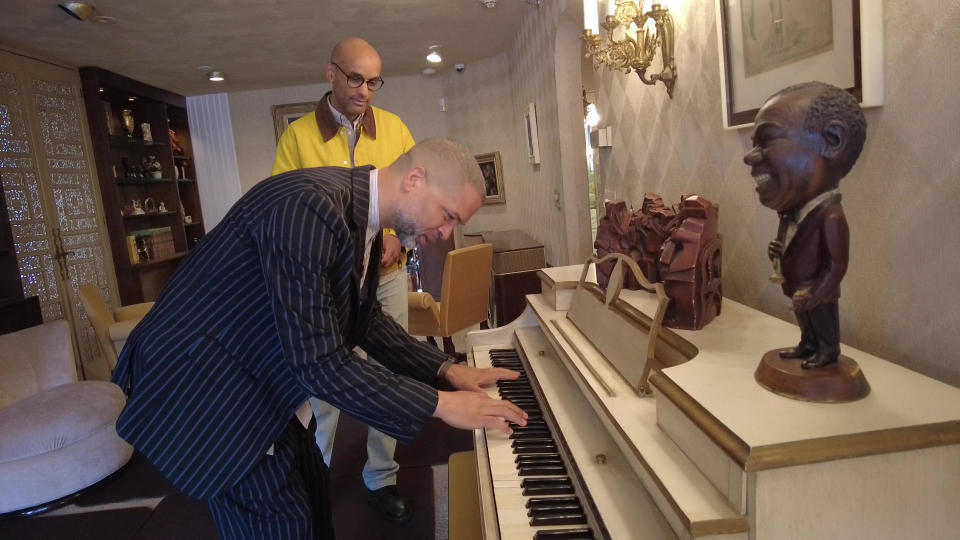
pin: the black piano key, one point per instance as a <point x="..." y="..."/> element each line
<point x="536" y="457"/>
<point x="559" y="519"/>
<point x="546" y="486"/>
<point x="548" y="508"/>
<point x="540" y="502"/>
<point x="535" y="445"/>
<point x="530" y="461"/>
<point x="559" y="489"/>
<point x="526" y="435"/>
<point x="542" y="470"/>
<point x="534" y="424"/>
<point x="564" y="534"/>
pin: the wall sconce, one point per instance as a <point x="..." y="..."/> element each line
<point x="630" y="53"/>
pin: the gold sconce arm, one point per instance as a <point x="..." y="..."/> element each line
<point x="637" y="54"/>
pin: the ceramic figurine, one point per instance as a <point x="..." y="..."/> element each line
<point x="145" y="129"/>
<point x="806" y="138"/>
<point x="137" y="207"/>
<point x="152" y="166"/>
<point x="162" y="208"/>
<point x="128" y="123"/>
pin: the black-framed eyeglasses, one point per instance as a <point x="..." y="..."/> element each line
<point x="354" y="80"/>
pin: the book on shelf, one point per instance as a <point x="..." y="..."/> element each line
<point x="150" y="245"/>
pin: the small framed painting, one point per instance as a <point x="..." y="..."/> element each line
<point x="284" y="115"/>
<point x="492" y="178"/>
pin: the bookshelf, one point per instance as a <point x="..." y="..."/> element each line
<point x="144" y="157"/>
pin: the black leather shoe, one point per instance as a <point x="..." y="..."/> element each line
<point x="797" y="352"/>
<point x="819" y="361"/>
<point x="391" y="505"/>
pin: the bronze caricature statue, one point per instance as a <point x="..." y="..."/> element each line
<point x="806" y="138"/>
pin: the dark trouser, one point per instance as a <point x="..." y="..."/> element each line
<point x="820" y="329"/>
<point x="284" y="496"/>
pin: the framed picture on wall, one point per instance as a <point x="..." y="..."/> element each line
<point x="284" y="115"/>
<point x="533" y="142"/>
<point x="767" y="45"/>
<point x="492" y="178"/>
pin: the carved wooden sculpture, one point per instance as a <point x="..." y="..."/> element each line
<point x="680" y="248"/>
<point x="690" y="266"/>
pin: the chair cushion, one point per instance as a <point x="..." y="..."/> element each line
<point x="59" y="441"/>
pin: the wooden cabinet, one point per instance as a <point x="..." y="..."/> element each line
<point x="148" y="184"/>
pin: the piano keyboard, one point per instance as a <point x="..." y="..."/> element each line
<point x="552" y="506"/>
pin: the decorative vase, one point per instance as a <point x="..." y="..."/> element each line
<point x="128" y="122"/>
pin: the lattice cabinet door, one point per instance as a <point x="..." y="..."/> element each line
<point x="52" y="196"/>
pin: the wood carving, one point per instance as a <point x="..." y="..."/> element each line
<point x="679" y="247"/>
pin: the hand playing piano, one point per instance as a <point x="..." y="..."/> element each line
<point x="474" y="379"/>
<point x="473" y="410"/>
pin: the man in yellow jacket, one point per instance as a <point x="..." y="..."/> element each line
<point x="346" y="131"/>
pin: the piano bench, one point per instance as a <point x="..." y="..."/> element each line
<point x="463" y="517"/>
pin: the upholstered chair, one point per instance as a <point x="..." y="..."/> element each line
<point x="112" y="326"/>
<point x="464" y="296"/>
<point x="57" y="435"/>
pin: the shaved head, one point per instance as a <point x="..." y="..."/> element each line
<point x="350" y="48"/>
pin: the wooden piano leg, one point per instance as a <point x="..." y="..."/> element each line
<point x="463" y="517"/>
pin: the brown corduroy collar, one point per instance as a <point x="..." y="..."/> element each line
<point x="328" y="124"/>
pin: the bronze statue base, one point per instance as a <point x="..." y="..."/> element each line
<point x="835" y="383"/>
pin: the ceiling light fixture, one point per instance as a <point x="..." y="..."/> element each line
<point x="216" y="76"/>
<point x="78" y="10"/>
<point x="434" y="54"/>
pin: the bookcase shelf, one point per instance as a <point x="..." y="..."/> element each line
<point x="122" y="163"/>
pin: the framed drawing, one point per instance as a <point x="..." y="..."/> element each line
<point x="492" y="178"/>
<point x="767" y="45"/>
<point x="533" y="142"/>
<point x="284" y="115"/>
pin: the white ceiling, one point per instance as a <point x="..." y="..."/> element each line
<point x="257" y="43"/>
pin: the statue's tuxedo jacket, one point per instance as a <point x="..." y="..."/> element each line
<point x="817" y="255"/>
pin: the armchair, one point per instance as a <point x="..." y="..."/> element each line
<point x="57" y="435"/>
<point x="464" y="296"/>
<point x="111" y="326"/>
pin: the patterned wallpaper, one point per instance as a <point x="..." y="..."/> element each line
<point x="486" y="108"/>
<point x="901" y="296"/>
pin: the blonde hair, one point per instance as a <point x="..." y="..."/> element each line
<point x="448" y="163"/>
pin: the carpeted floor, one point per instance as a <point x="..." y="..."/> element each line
<point x="138" y="504"/>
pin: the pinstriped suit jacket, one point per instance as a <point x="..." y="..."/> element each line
<point x="263" y="313"/>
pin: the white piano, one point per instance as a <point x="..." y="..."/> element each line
<point x="709" y="453"/>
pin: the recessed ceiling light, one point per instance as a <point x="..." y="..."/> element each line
<point x="104" y="19"/>
<point x="215" y="76"/>
<point x="428" y="71"/>
<point x="434" y="54"/>
<point x="78" y="10"/>
<point x="131" y="98"/>
<point x="101" y="89"/>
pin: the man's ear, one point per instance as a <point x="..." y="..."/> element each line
<point x="834" y="139"/>
<point x="414" y="178"/>
<point x="328" y="71"/>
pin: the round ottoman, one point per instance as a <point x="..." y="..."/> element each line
<point x="59" y="441"/>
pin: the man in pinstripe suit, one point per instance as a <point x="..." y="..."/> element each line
<point x="266" y="311"/>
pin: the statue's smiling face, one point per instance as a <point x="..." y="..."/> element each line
<point x="786" y="160"/>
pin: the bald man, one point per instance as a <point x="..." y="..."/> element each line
<point x="346" y="131"/>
